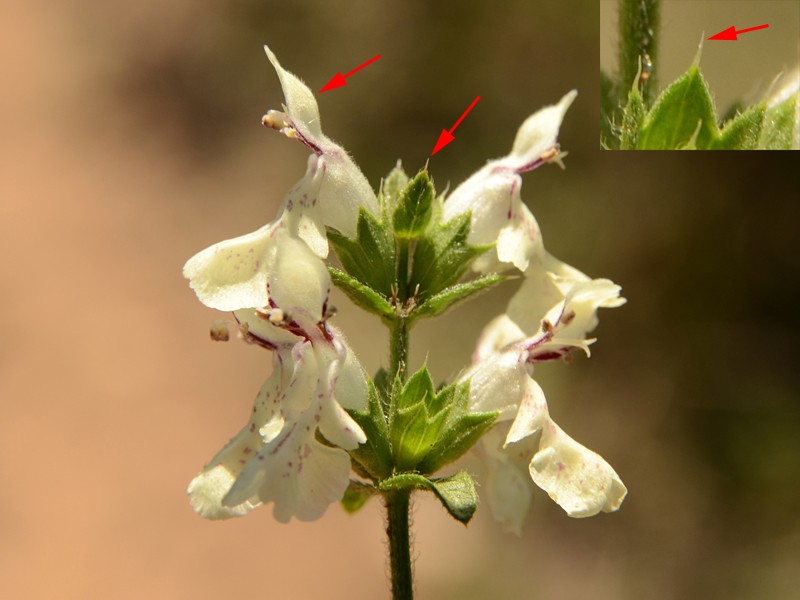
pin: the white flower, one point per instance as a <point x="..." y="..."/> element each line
<point x="507" y="488"/>
<point x="247" y="271"/>
<point x="344" y="188"/>
<point x="493" y="193"/>
<point x="576" y="478"/>
<point x="276" y="283"/>
<point x="233" y="274"/>
<point x="553" y="294"/>
<point x="550" y="315"/>
<point x="277" y="456"/>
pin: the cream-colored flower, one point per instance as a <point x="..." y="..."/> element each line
<point x="493" y="193"/>
<point x="555" y="305"/>
<point x="550" y="315"/>
<point x="576" y="478"/>
<point x="234" y="273"/>
<point x="277" y="457"/>
<point x="344" y="189"/>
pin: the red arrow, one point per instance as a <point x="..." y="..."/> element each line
<point x="730" y="33"/>
<point x="447" y="136"/>
<point x="338" y="80"/>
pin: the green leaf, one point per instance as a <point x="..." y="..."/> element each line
<point x="370" y="257"/>
<point x="417" y="390"/>
<point x="391" y="188"/>
<point x="413" y="212"/>
<point x="361" y="294"/>
<point x="383" y="383"/>
<point x="442" y="256"/>
<point x="373" y="459"/>
<point x="741" y="132"/>
<point x="460" y="431"/>
<point x="780" y="125"/>
<point x="447" y="298"/>
<point x="673" y="120"/>
<point x="355" y="496"/>
<point x="458" y="495"/>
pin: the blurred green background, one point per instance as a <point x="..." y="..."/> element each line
<point x="131" y="139"/>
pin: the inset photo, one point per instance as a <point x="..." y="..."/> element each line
<point x="699" y="75"/>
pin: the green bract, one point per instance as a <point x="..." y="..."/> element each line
<point x="426" y="430"/>
<point x="683" y="118"/>
<point x="408" y="263"/>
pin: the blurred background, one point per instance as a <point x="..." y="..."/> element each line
<point x="131" y="140"/>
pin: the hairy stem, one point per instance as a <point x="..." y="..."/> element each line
<point x="398" y="347"/>
<point x="397" y="531"/>
<point x="638" y="40"/>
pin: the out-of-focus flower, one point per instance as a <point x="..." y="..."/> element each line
<point x="493" y="193"/>
<point x="278" y="457"/>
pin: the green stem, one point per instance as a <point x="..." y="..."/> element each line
<point x="397" y="532"/>
<point x="638" y="39"/>
<point x="398" y="347"/>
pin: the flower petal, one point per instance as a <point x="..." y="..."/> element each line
<point x="508" y="486"/>
<point x="539" y="132"/>
<point x="497" y="384"/>
<point x="553" y="287"/>
<point x="207" y="490"/>
<point x="277" y="457"/>
<point x="300" y="212"/>
<point x="296" y="472"/>
<point x="576" y="478"/>
<point x="493" y="194"/>
<point x="497" y="216"/>
<point x="497" y="334"/>
<point x="297" y="278"/>
<point x="301" y="105"/>
<point x="345" y="189"/>
<point x="532" y="414"/>
<point x="350" y="381"/>
<point x="232" y="274"/>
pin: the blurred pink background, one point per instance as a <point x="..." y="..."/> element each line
<point x="131" y="140"/>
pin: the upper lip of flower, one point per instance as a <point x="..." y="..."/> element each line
<point x="493" y="193"/>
